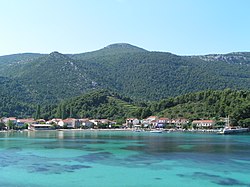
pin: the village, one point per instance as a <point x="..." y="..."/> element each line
<point x="152" y="122"/>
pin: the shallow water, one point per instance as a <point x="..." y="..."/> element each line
<point x="108" y="158"/>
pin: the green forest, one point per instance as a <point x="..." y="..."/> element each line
<point x="210" y="104"/>
<point x="124" y="69"/>
<point x="122" y="81"/>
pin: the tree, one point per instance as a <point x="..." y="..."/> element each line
<point x="63" y="112"/>
<point x="245" y="122"/>
<point x="38" y="112"/>
<point x="145" y="113"/>
<point x="2" y="126"/>
<point x="11" y="125"/>
<point x="71" y="113"/>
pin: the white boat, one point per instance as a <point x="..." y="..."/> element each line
<point x="156" y="131"/>
<point x="232" y="130"/>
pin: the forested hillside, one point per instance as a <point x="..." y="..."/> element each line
<point x="57" y="84"/>
<point x="96" y="104"/>
<point x="207" y="105"/>
<point x="14" y="99"/>
<point x="51" y="78"/>
<point x="125" y="69"/>
<point x="8" y="60"/>
<point x="155" y="75"/>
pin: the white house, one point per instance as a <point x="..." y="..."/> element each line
<point x="69" y="123"/>
<point x="132" y="122"/>
<point x="12" y="119"/>
<point x="203" y="123"/>
<point x="86" y="123"/>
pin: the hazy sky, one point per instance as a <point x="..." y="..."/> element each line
<point x="74" y="26"/>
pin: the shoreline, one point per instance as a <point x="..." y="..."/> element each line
<point x="200" y="131"/>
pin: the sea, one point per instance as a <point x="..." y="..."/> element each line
<point x="123" y="159"/>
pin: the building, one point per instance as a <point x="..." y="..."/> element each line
<point x="22" y="122"/>
<point x="131" y="122"/>
<point x="86" y="123"/>
<point x="71" y="123"/>
<point x="203" y="123"/>
<point x="54" y="120"/>
<point x="10" y="119"/>
<point x="162" y="122"/>
<point x="40" y="127"/>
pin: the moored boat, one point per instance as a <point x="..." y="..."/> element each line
<point x="156" y="131"/>
<point x="233" y="130"/>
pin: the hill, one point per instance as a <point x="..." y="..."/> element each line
<point x="51" y="78"/>
<point x="8" y="60"/>
<point x="14" y="99"/>
<point x="155" y="75"/>
<point x="200" y="105"/>
<point x="125" y="69"/>
<point x="105" y="104"/>
<point x="206" y="105"/>
<point x="95" y="104"/>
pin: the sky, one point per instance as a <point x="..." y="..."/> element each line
<point x="183" y="27"/>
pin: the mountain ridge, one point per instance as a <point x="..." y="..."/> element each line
<point x="129" y="46"/>
<point x="126" y="69"/>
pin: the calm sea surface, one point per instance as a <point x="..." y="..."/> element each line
<point x="107" y="158"/>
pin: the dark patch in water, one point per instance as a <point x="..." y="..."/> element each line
<point x="55" y="168"/>
<point x="39" y="169"/>
<point x="93" y="149"/>
<point x="78" y="145"/>
<point x="140" y="159"/>
<point x="215" y="179"/>
<point x="75" y="167"/>
<point x="230" y="182"/>
<point x="158" y="178"/>
<point x="92" y="157"/>
<point x="14" y="149"/>
<point x="181" y="175"/>
<point x="134" y="148"/>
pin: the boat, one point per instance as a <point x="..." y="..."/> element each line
<point x="232" y="130"/>
<point x="156" y="131"/>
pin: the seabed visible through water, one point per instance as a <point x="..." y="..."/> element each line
<point x="129" y="159"/>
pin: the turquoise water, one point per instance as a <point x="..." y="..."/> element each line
<point x="131" y="159"/>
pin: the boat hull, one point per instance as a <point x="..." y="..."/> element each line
<point x="234" y="131"/>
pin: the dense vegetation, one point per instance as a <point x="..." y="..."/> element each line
<point x="55" y="85"/>
<point x="105" y="104"/>
<point x="8" y="60"/>
<point x="95" y="104"/>
<point x="98" y="104"/>
<point x="12" y="103"/>
<point x="201" y="105"/>
<point x="207" y="105"/>
<point x="125" y="69"/>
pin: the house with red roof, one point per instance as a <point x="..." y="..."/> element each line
<point x="12" y="119"/>
<point x="22" y="122"/>
<point x="69" y="123"/>
<point x="131" y="122"/>
<point x="86" y="123"/>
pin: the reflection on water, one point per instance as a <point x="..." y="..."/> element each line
<point x="187" y="159"/>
